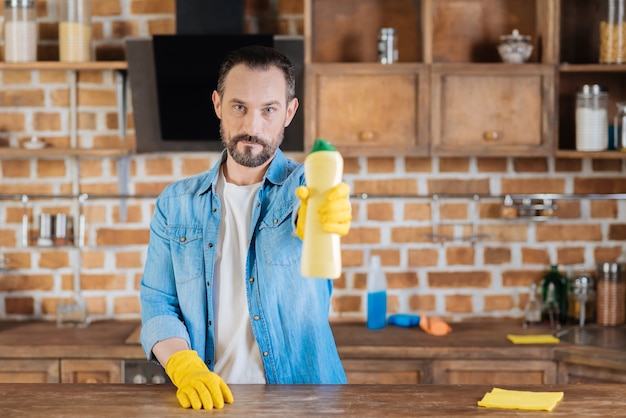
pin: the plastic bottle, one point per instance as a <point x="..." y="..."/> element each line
<point x="376" y="295"/>
<point x="321" y="250"/>
<point x="554" y="291"/>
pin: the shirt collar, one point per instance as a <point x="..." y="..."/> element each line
<point x="276" y="173"/>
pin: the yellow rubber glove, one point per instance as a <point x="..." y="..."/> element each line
<point x="198" y="387"/>
<point x="335" y="213"/>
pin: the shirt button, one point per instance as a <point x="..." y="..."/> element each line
<point x="265" y="354"/>
<point x="275" y="221"/>
<point x="210" y="245"/>
<point x="214" y="210"/>
<point x="255" y="317"/>
<point x="183" y="239"/>
<point x="210" y="323"/>
<point x="208" y="362"/>
<point x="251" y="279"/>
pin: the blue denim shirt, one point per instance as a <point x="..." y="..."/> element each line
<point x="288" y="313"/>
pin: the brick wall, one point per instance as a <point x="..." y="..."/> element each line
<point x="458" y="278"/>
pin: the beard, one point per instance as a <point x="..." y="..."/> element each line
<point x="246" y="157"/>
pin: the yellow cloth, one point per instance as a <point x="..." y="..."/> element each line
<point x="533" y="339"/>
<point x="517" y="399"/>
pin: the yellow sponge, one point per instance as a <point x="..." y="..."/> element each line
<point x="533" y="339"/>
<point x="517" y="399"/>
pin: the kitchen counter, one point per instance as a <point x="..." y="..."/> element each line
<point x="470" y="341"/>
<point x="42" y="339"/>
<point x="80" y="400"/>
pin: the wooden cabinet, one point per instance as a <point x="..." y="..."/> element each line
<point x="571" y="373"/>
<point x="91" y="371"/>
<point x="449" y="90"/>
<point x="475" y="104"/>
<point x="496" y="372"/>
<point x="579" y="56"/>
<point x="393" y="372"/>
<point x="480" y="110"/>
<point x="364" y="109"/>
<point x="29" y="371"/>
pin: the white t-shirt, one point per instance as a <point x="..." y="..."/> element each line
<point x="238" y="358"/>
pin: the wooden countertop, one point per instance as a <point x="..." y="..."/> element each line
<point x="467" y="340"/>
<point x="82" y="400"/>
<point x="475" y="340"/>
<point x="42" y="339"/>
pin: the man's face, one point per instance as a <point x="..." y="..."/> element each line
<point x="253" y="113"/>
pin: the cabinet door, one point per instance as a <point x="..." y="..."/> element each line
<point x="91" y="371"/>
<point x="393" y="372"/>
<point x="368" y="109"/>
<point x="570" y="373"/>
<point x="497" y="372"/>
<point x="492" y="110"/>
<point x="29" y="371"/>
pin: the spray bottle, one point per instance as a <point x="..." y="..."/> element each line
<point x="376" y="295"/>
<point x="321" y="250"/>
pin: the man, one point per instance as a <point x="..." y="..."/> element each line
<point x="223" y="300"/>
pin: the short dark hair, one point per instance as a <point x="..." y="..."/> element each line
<point x="258" y="57"/>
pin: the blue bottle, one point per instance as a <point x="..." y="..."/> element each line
<point x="376" y="295"/>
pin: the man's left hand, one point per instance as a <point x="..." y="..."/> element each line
<point x="335" y="214"/>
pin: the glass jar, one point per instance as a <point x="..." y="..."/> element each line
<point x="619" y="132"/>
<point x="613" y="32"/>
<point x="611" y="295"/>
<point x="20" y="31"/>
<point x="387" y="46"/>
<point x="74" y="30"/>
<point x="592" y="129"/>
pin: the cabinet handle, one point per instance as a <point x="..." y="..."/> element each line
<point x="491" y="136"/>
<point x="366" y="136"/>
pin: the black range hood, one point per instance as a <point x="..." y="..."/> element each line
<point x="172" y="77"/>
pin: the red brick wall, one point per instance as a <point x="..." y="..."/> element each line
<point x="458" y="279"/>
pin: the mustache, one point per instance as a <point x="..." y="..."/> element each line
<point x="244" y="137"/>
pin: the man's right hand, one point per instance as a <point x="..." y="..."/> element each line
<point x="198" y="387"/>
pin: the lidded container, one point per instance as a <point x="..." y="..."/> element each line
<point x="592" y="129"/>
<point x="515" y="48"/>
<point x="20" y="31"/>
<point x="74" y="30"/>
<point x="613" y="32"/>
<point x="611" y="295"/>
<point x="619" y="127"/>
<point x="387" y="46"/>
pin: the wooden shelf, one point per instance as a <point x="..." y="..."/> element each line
<point x="56" y="152"/>
<point x="58" y="65"/>
<point x="604" y="155"/>
<point x="592" y="68"/>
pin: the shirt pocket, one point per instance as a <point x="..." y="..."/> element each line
<point x="276" y="239"/>
<point x="186" y="250"/>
